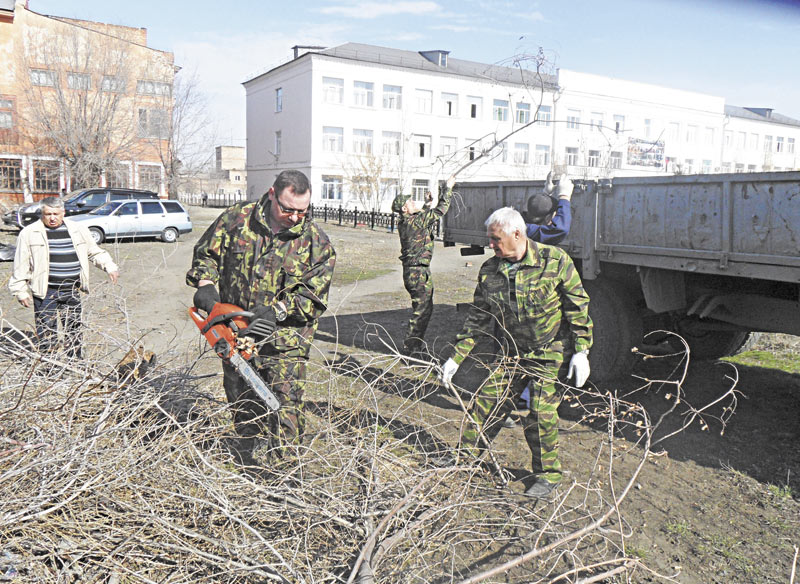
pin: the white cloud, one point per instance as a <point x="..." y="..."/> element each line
<point x="368" y="10"/>
<point x="533" y="16"/>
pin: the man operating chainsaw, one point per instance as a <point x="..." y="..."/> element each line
<point x="268" y="258"/>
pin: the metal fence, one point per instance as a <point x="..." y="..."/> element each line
<point x="211" y="199"/>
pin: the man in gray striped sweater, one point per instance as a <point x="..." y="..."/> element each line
<point x="51" y="268"/>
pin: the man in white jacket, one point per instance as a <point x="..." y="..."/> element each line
<point x="51" y="269"/>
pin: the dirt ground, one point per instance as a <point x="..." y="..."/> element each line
<point x="715" y="506"/>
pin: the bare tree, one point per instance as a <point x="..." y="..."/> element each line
<point x="371" y="179"/>
<point x="75" y="104"/>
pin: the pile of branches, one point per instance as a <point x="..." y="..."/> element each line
<point x="125" y="471"/>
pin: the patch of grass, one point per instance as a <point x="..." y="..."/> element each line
<point x="782" y="493"/>
<point x="788" y="362"/>
<point x="636" y="552"/>
<point x="677" y="528"/>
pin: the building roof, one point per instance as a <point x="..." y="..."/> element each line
<point x="761" y="114"/>
<point x="416" y="60"/>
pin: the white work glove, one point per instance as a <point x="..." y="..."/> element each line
<point x="579" y="367"/>
<point x="549" y="187"/>
<point x="448" y="370"/>
<point x="451" y="181"/>
<point x="564" y="189"/>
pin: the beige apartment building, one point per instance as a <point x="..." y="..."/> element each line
<point x="81" y="104"/>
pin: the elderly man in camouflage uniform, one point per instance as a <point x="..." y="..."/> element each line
<point x="269" y="258"/>
<point x="416" y="228"/>
<point x="531" y="297"/>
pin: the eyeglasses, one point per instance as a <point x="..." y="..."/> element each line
<point x="290" y="211"/>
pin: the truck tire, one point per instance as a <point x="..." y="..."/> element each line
<point x="617" y="328"/>
<point x="712" y="345"/>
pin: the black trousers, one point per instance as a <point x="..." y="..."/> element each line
<point x="62" y="306"/>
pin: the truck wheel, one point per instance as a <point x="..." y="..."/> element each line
<point x="169" y="235"/>
<point x="712" y="345"/>
<point x="617" y="328"/>
<point x="97" y="235"/>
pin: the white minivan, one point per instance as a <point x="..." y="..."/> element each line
<point x="138" y="218"/>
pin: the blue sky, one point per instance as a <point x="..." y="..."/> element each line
<point x="745" y="51"/>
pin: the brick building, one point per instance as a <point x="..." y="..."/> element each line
<point x="81" y="104"/>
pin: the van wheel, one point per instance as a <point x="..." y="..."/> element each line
<point x="169" y="235"/>
<point x="97" y="234"/>
<point x="617" y="328"/>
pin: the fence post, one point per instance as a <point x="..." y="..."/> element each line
<point x="355" y="217"/>
<point x="372" y="220"/>
<point x="340" y="213"/>
<point x="391" y="229"/>
<point x="325" y="212"/>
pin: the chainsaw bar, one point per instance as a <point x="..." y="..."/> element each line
<point x="254" y="380"/>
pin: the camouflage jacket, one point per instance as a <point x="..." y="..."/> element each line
<point x="252" y="266"/>
<point x="416" y="232"/>
<point x="548" y="294"/>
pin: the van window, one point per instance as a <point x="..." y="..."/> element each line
<point x="129" y="209"/>
<point x="173" y="207"/>
<point x="95" y="199"/>
<point x="151" y="208"/>
<point x="120" y="197"/>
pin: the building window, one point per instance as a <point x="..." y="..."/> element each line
<point x="767" y="143"/>
<point x="596" y="122"/>
<point x="647" y="128"/>
<point x="753" y="145"/>
<point x="118" y="176"/>
<point x="279" y="100"/>
<point x="10" y="174"/>
<point x="475" y="105"/>
<point x="739" y="168"/>
<point x="691" y="134"/>
<point x="447" y="145"/>
<point x="523" y="113"/>
<point x="619" y="123"/>
<point x="332" y="139"/>
<point x="362" y="141"/>
<point x="113" y="84"/>
<point x="43" y="77"/>
<point x="422" y="146"/>
<point x="144" y="87"/>
<point x="153" y="123"/>
<point x="542" y="155"/>
<point x="572" y="156"/>
<point x="726" y="167"/>
<point x="391" y="143"/>
<point x="45" y="176"/>
<point x="790" y="146"/>
<point x="362" y="93"/>
<point x="424" y="99"/>
<point x="616" y="160"/>
<point x="419" y="186"/>
<point x="503" y="152"/>
<point x="450" y="104"/>
<point x="150" y="177"/>
<point x="82" y="81"/>
<point x="727" y="139"/>
<point x="751" y="168"/>
<point x="390" y="187"/>
<point x="741" y="137"/>
<point x="278" y="143"/>
<point x="688" y="166"/>
<point x="779" y="144"/>
<point x="543" y="115"/>
<point x="573" y="119"/>
<point x="594" y="158"/>
<point x="673" y="132"/>
<point x="7" y="111"/>
<point x="709" y="136"/>
<point x="332" y="90"/>
<point x="521" y="153"/>
<point x="472" y="148"/>
<point x="331" y="188"/>
<point x="500" y="110"/>
<point x="706" y="167"/>
<point x="392" y="97"/>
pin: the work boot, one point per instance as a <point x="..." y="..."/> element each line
<point x="541" y="489"/>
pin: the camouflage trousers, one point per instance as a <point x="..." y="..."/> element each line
<point x="495" y="401"/>
<point x="251" y="418"/>
<point x="418" y="283"/>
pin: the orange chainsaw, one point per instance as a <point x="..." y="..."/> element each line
<point x="225" y="329"/>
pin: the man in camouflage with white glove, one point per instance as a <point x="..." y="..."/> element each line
<point x="532" y="294"/>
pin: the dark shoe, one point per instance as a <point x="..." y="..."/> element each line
<point x="540" y="489"/>
<point x="509" y="422"/>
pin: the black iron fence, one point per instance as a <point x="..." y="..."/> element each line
<point x="211" y="200"/>
<point x="357" y="218"/>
